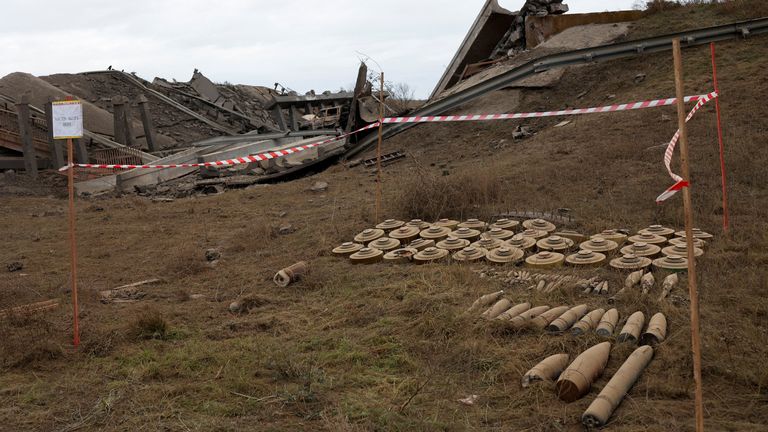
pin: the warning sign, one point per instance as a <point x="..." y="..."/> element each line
<point x="67" y="119"/>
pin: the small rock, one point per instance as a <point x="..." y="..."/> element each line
<point x="319" y="186"/>
<point x="15" y="266"/>
<point x="212" y="255"/>
<point x="611" y="96"/>
<point x="639" y="78"/>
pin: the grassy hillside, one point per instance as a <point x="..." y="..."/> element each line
<point x="388" y="347"/>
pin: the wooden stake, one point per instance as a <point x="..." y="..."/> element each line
<point x="692" y="289"/>
<point x="378" y="149"/>
<point x="72" y="242"/>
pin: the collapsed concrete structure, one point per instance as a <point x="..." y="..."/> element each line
<point x="498" y="35"/>
<point x="131" y="121"/>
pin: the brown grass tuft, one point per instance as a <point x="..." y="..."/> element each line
<point x="150" y="324"/>
<point x="427" y="196"/>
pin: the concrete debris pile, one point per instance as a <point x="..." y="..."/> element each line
<point x="514" y="39"/>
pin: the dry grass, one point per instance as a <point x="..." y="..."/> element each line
<point x="388" y="347"/>
<point x="428" y="196"/>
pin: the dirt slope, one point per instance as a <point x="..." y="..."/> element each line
<point x="386" y="347"/>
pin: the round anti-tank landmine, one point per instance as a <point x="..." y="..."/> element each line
<point x="347" y="248"/>
<point x="435" y="233"/>
<point x="487" y="243"/>
<point x="476" y="224"/>
<point x="697" y="233"/>
<point x="504" y="223"/>
<point x="418" y="223"/>
<point x="405" y="234"/>
<point x="369" y="235"/>
<point x="658" y="230"/>
<point x="699" y="243"/>
<point x="384" y="244"/>
<point x="681" y="250"/>
<point x="430" y="254"/>
<point x="400" y="256"/>
<point x="630" y="262"/>
<point x="539" y="224"/>
<point x="585" y="258"/>
<point x="599" y="244"/>
<point x="545" y="259"/>
<point x="673" y="263"/>
<point x="504" y="255"/>
<point x="577" y="237"/>
<point x="420" y="244"/>
<point x="390" y="224"/>
<point x="612" y="235"/>
<point x="470" y="254"/>
<point x="554" y="243"/>
<point x="521" y="242"/>
<point x="466" y="233"/>
<point x="641" y="249"/>
<point x="452" y="244"/>
<point x="366" y="256"/>
<point x="648" y="238"/>
<point x="499" y="233"/>
<point x="534" y="233"/>
<point x="448" y="223"/>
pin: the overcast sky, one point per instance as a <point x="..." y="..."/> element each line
<point x="301" y="44"/>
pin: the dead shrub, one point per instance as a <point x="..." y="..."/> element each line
<point x="430" y="197"/>
<point x="99" y="343"/>
<point x="149" y="325"/>
<point x="39" y="352"/>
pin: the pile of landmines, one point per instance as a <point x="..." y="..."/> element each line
<point x="537" y="243"/>
<point x="578" y="319"/>
<point x="548" y="283"/>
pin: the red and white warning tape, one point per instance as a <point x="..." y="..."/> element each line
<point x="426" y="119"/>
<point x="575" y="111"/>
<point x="679" y="182"/>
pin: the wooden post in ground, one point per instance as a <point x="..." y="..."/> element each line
<point x="692" y="288"/>
<point x="118" y="117"/>
<point x="73" y="243"/>
<point x="25" y="134"/>
<point x="55" y="147"/>
<point x="378" y="149"/>
<point x="146" y="121"/>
